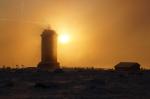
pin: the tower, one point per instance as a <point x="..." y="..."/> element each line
<point x="48" y="51"/>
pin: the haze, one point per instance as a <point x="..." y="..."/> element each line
<point x="103" y="32"/>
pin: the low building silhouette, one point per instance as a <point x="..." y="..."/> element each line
<point x="127" y="66"/>
<point x="48" y="51"/>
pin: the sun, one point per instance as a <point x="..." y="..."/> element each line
<point x="64" y="38"/>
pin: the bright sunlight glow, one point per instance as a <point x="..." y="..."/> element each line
<point x="64" y="38"/>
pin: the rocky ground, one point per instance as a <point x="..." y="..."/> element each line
<point x="74" y="84"/>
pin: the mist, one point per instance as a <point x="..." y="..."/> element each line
<point x="104" y="32"/>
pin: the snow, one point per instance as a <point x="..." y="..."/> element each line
<point x="74" y="85"/>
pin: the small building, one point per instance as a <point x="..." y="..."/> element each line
<point x="127" y="66"/>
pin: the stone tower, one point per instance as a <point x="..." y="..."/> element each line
<point x="48" y="51"/>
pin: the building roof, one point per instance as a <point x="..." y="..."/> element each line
<point x="127" y="65"/>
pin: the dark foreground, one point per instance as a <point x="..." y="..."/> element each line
<point x="75" y="84"/>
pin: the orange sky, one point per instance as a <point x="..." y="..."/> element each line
<point x="103" y="32"/>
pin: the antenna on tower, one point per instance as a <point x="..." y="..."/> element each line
<point x="49" y="27"/>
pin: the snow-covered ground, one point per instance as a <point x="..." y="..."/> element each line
<point x="85" y="84"/>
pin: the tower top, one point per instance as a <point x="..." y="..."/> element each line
<point x="48" y="31"/>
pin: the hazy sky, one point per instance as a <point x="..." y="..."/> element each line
<point x="103" y="32"/>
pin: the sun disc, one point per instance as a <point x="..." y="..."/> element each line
<point x="64" y="38"/>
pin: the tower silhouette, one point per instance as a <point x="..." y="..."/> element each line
<point x="48" y="50"/>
